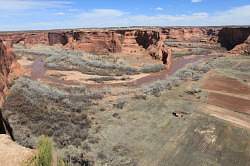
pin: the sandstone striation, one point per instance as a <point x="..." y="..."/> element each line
<point x="192" y="34"/>
<point x="101" y="41"/>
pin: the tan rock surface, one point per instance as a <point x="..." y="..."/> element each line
<point x="13" y="154"/>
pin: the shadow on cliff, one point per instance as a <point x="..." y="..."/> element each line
<point x="5" y="127"/>
<point x="230" y="37"/>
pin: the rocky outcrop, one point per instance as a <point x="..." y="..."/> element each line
<point x="192" y="34"/>
<point x="57" y="38"/>
<point x="141" y="41"/>
<point x="6" y="65"/>
<point x="236" y="40"/>
<point x="99" y="42"/>
<point x="231" y="37"/>
<point x="26" y="38"/>
<point x="129" y="40"/>
<point x="13" y="154"/>
<point x="147" y="38"/>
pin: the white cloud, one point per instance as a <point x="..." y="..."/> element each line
<point x="102" y="13"/>
<point x="159" y="8"/>
<point x="196" y="1"/>
<point x="113" y="17"/>
<point x="14" y="5"/>
<point x="60" y="13"/>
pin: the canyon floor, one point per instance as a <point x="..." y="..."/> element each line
<point x="122" y="110"/>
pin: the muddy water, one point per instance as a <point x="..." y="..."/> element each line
<point x="177" y="64"/>
<point x="38" y="69"/>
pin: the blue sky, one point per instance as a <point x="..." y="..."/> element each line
<point x="53" y="14"/>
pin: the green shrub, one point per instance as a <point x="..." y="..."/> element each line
<point x="44" y="156"/>
<point x="152" y="68"/>
<point x="45" y="148"/>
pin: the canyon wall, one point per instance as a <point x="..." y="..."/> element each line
<point x="6" y="65"/>
<point x="149" y="41"/>
<point x="107" y="41"/>
<point x="114" y="40"/>
<point x="101" y="41"/>
<point x="192" y="34"/>
<point x="235" y="39"/>
<point x="27" y="38"/>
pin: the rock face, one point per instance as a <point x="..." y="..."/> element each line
<point x="101" y="41"/>
<point x="6" y="65"/>
<point x="237" y="40"/>
<point x="27" y="38"/>
<point x="57" y="38"/>
<point x="146" y="41"/>
<point x="13" y="154"/>
<point x="203" y="34"/>
<point x="231" y="37"/>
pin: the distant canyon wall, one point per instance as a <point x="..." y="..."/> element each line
<point x="192" y="34"/>
<point x="96" y="41"/>
<point x="133" y="40"/>
<point x="101" y="41"/>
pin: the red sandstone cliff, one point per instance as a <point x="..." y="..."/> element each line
<point x="101" y="41"/>
<point x="145" y="41"/>
<point x="236" y="40"/>
<point x="7" y="65"/>
<point x="192" y="34"/>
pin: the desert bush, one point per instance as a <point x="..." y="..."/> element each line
<point x="192" y="51"/>
<point x="75" y="156"/>
<point x="152" y="68"/>
<point x="43" y="110"/>
<point x="201" y="51"/>
<point x="102" y="79"/>
<point x="157" y="87"/>
<point x="181" y="53"/>
<point x="120" y="104"/>
<point x="88" y="63"/>
<point x="190" y="72"/>
<point x="45" y="153"/>
<point x="104" y="65"/>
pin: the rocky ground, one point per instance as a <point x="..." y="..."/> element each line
<point x="12" y="153"/>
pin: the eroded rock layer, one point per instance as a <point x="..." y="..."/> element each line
<point x="155" y="42"/>
<point x="203" y="34"/>
<point x="6" y="65"/>
<point x="101" y="41"/>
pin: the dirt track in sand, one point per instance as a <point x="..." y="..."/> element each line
<point x="227" y="92"/>
<point x="229" y="102"/>
<point x="236" y="118"/>
<point x="225" y="84"/>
